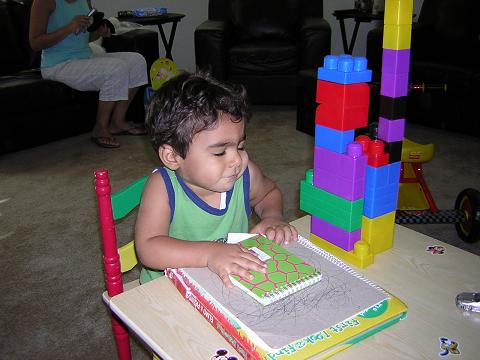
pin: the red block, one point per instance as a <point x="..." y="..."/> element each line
<point x="342" y="107"/>
<point x="375" y="149"/>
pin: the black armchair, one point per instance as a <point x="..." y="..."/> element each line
<point x="263" y="44"/>
<point x="445" y="49"/>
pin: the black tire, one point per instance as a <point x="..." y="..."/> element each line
<point x="468" y="201"/>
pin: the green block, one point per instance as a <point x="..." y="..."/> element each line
<point x="340" y="212"/>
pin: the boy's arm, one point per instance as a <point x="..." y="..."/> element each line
<point x="157" y="250"/>
<point x="266" y="199"/>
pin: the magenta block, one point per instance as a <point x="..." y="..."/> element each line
<point x="395" y="61"/>
<point x="391" y="130"/>
<point x="335" y="235"/>
<point x="351" y="165"/>
<point x="394" y="85"/>
<point x="345" y="188"/>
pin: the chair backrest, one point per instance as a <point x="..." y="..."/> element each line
<point x="221" y="9"/>
<point x="113" y="207"/>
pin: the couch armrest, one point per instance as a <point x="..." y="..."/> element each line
<point x="142" y="41"/>
<point x="211" y="38"/>
<point x="314" y="37"/>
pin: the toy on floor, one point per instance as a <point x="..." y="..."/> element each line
<point x="416" y="204"/>
<point x="161" y="70"/>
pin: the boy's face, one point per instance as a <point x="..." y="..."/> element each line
<point x="216" y="158"/>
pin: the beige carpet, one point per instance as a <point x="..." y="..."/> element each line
<point x="50" y="298"/>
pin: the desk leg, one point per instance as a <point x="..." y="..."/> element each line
<point x="344" y="36"/>
<point x="168" y="45"/>
<point x="354" y="37"/>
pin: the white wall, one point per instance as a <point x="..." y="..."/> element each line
<point x="196" y="12"/>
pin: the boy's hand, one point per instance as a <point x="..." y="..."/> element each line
<point x="276" y="230"/>
<point x="233" y="259"/>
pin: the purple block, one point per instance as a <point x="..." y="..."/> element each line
<point x="391" y="130"/>
<point x="395" y="61"/>
<point x="350" y="189"/>
<point x="351" y="165"/>
<point x="335" y="235"/>
<point x="394" y="85"/>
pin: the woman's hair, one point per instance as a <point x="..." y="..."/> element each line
<point x="190" y="103"/>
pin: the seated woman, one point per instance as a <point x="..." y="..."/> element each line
<point x="59" y="29"/>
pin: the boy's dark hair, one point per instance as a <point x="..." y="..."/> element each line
<point x="190" y="103"/>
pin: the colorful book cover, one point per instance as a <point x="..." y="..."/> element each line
<point x="285" y="275"/>
<point x="297" y="327"/>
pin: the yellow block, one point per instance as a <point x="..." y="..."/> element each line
<point x="398" y="12"/>
<point x="378" y="232"/>
<point x="361" y="256"/>
<point x="397" y="37"/>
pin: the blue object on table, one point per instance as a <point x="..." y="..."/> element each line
<point x="155" y="11"/>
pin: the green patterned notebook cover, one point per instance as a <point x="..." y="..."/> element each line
<point x="286" y="273"/>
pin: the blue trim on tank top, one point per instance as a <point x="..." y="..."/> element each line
<point x="202" y="204"/>
<point x="170" y="191"/>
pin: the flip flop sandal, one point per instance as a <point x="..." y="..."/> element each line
<point x="131" y="132"/>
<point x="105" y="142"/>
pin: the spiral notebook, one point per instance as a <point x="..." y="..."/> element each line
<point x="342" y="306"/>
<point x="285" y="275"/>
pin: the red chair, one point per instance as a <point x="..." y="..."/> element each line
<point x="117" y="261"/>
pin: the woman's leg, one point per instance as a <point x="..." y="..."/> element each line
<point x="137" y="76"/>
<point x="118" y="119"/>
<point x="113" y="75"/>
<point x="101" y="131"/>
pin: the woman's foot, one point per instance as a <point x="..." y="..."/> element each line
<point x="128" y="128"/>
<point x="105" y="142"/>
<point x="104" y="139"/>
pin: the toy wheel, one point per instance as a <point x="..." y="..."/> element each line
<point x="468" y="201"/>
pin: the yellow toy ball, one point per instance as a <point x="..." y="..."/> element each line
<point x="162" y="70"/>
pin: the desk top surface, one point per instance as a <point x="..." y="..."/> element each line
<point x="153" y="20"/>
<point x="427" y="283"/>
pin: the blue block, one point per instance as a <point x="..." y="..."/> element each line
<point x="383" y="175"/>
<point x="380" y="200"/>
<point x="373" y="212"/>
<point x="332" y="139"/>
<point x="344" y="69"/>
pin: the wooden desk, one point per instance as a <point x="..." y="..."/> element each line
<point x="159" y="21"/>
<point x="427" y="283"/>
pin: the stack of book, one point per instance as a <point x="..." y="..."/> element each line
<point x="306" y="317"/>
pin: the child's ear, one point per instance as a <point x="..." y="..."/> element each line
<point x="169" y="157"/>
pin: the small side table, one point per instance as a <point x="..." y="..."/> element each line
<point x="359" y="17"/>
<point x="159" y="20"/>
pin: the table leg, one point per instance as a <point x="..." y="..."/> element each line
<point x="168" y="45"/>
<point x="354" y="37"/>
<point x="344" y="36"/>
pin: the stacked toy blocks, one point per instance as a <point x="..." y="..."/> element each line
<point x="379" y="212"/>
<point x="333" y="193"/>
<point x="353" y="188"/>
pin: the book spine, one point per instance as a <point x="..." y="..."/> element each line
<point x="215" y="318"/>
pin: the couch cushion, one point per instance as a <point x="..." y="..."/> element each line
<point x="263" y="57"/>
<point x="29" y="90"/>
<point x="265" y="19"/>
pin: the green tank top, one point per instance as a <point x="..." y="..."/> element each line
<point x="194" y="220"/>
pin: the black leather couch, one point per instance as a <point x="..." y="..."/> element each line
<point x="263" y="44"/>
<point x="445" y="50"/>
<point x="34" y="111"/>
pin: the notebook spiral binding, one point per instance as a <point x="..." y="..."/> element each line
<point x="308" y="244"/>
<point x="289" y="289"/>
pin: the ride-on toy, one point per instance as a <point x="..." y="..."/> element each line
<point x="416" y="204"/>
